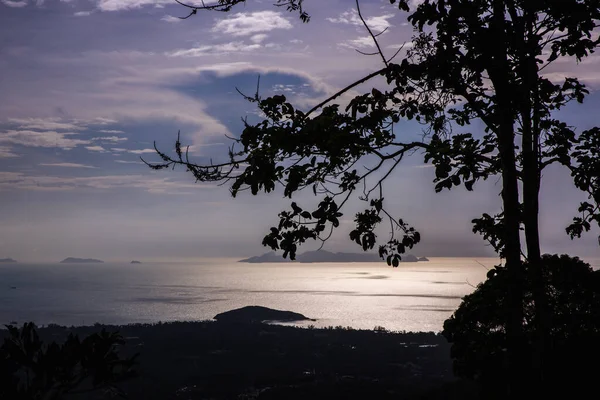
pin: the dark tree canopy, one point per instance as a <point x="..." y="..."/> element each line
<point x="477" y="330"/>
<point x="33" y="370"/>
<point x="470" y="61"/>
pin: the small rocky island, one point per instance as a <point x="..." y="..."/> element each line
<point x="258" y="314"/>
<point x="136" y="262"/>
<point x="74" y="260"/>
<point x="7" y="260"/>
<point x="324" y="256"/>
<point x="270" y="257"/>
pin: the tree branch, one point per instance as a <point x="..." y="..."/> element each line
<point x="374" y="37"/>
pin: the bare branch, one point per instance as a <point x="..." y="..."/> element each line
<point x="347" y="88"/>
<point x="366" y="54"/>
<point x="374" y="37"/>
<point x="396" y="53"/>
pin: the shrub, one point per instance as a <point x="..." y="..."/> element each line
<point x="31" y="370"/>
<point x="477" y="330"/>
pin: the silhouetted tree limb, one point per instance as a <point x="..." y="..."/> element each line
<point x="227" y="5"/>
<point x="373" y="36"/>
<point x="424" y="87"/>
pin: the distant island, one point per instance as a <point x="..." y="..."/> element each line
<point x="7" y="260"/>
<point x="136" y="262"/>
<point x="423" y="259"/>
<point x="324" y="256"/>
<point x="258" y="314"/>
<point x="73" y="260"/>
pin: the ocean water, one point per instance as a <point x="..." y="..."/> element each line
<point x="412" y="297"/>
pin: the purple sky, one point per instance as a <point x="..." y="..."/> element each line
<point x="87" y="86"/>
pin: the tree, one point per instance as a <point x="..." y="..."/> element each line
<point x="471" y="60"/>
<point x="31" y="370"/>
<point x="477" y="329"/>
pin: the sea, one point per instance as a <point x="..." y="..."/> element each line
<point x="413" y="297"/>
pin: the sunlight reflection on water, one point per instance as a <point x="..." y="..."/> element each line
<point x="413" y="297"/>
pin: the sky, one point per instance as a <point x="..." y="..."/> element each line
<point x="86" y="87"/>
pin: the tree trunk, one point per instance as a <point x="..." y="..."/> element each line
<point x="512" y="253"/>
<point x="531" y="187"/>
<point x="530" y="220"/>
<point x="510" y="199"/>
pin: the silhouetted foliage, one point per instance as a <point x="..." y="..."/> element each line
<point x="470" y="61"/>
<point x="31" y="370"/>
<point x="477" y="330"/>
<point x="226" y="5"/>
<point x="446" y="81"/>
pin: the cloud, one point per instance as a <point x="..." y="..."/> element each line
<point x="60" y="124"/>
<point x="110" y="131"/>
<point x="243" y="24"/>
<point x="50" y="139"/>
<point x="376" y="23"/>
<point x="14" y="4"/>
<point x="142" y="151"/>
<point x="66" y="165"/>
<point x="351" y="17"/>
<point x="51" y="124"/>
<point x="379" y="23"/>
<point x="259" y="37"/>
<point x="233" y="68"/>
<point x="224" y="48"/>
<point x="320" y="88"/>
<point x="347" y="17"/>
<point x="414" y="3"/>
<point x="99" y="149"/>
<point x="424" y="166"/>
<point x="405" y="45"/>
<point x="150" y="184"/>
<point x="102" y="121"/>
<point x="284" y="88"/>
<point x="119" y="5"/>
<point x="131" y="86"/>
<point x="83" y="13"/>
<point x="128" y="162"/>
<point x="171" y="19"/>
<point x="364" y="41"/>
<point x="128" y="88"/>
<point x="6" y="152"/>
<point x="113" y="139"/>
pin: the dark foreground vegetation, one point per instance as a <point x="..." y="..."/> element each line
<point x="215" y="360"/>
<point x="568" y="357"/>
